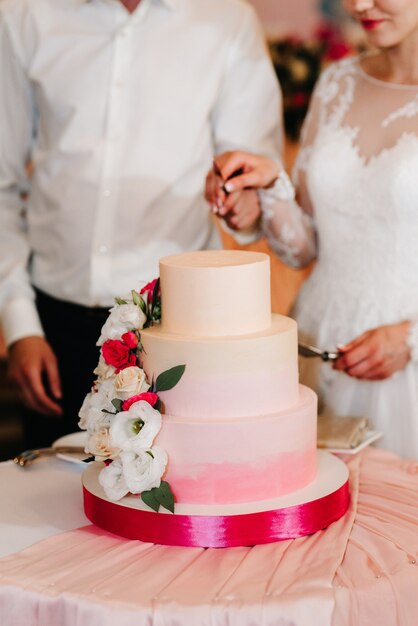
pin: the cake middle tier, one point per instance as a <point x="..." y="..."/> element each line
<point x="227" y="377"/>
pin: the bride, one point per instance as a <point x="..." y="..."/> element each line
<point x="356" y="212"/>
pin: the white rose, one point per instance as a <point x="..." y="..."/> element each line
<point x="135" y="429"/>
<point x="113" y="481"/>
<point x="143" y="471"/>
<point x="98" y="444"/>
<point x="92" y="416"/>
<point x="104" y="371"/>
<point x="130" y="382"/>
<point x="122" y="318"/>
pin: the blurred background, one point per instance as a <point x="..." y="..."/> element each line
<point x="303" y="36"/>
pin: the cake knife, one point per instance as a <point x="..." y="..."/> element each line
<point x="25" y="458"/>
<point x="311" y="351"/>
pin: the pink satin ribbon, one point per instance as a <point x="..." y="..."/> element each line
<point x="222" y="531"/>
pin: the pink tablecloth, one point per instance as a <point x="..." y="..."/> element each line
<point x="361" y="571"/>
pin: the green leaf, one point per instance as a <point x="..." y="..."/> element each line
<point x="150" y="500"/>
<point x="164" y="496"/>
<point x="135" y="297"/>
<point x="120" y="301"/>
<point x="89" y="459"/>
<point x="158" y="405"/>
<point x="139" y="301"/>
<point x="155" y="300"/>
<point x="169" y="379"/>
<point x="117" y="404"/>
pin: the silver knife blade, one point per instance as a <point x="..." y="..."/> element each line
<point x="312" y="351"/>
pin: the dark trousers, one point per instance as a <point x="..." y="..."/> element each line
<point x="72" y="331"/>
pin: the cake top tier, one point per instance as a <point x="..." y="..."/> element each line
<point x="215" y="293"/>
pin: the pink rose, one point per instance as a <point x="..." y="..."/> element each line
<point x="148" y="396"/>
<point x="130" y="339"/>
<point x="116" y="353"/>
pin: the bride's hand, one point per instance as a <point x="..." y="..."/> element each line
<point x="258" y="171"/>
<point x="377" y="354"/>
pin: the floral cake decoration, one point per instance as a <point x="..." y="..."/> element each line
<point x="122" y="412"/>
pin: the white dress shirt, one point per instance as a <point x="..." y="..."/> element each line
<point x="120" y="115"/>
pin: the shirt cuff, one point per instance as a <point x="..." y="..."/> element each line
<point x="412" y="340"/>
<point x="20" y="319"/>
<point x="242" y="237"/>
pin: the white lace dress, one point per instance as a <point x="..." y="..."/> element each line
<point x="357" y="182"/>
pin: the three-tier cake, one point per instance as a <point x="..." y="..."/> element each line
<point x="238" y="429"/>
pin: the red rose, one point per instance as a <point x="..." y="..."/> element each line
<point x="116" y="353"/>
<point x="149" y="288"/>
<point x="148" y="396"/>
<point x="130" y="339"/>
<point x="132" y="361"/>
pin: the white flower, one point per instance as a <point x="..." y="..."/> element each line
<point x="104" y="371"/>
<point x="122" y="318"/>
<point x="99" y="445"/>
<point x="136" y="429"/>
<point x="113" y="481"/>
<point x="130" y="382"/>
<point x="143" y="471"/>
<point x="92" y="416"/>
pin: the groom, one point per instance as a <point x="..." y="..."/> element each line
<point x="120" y="106"/>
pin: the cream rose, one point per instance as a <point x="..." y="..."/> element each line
<point x="104" y="371"/>
<point x="130" y="381"/>
<point x="99" y="446"/>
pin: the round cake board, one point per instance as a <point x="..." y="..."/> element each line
<point x="296" y="514"/>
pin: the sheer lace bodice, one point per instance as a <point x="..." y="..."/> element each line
<point x="356" y="177"/>
<point x="357" y="183"/>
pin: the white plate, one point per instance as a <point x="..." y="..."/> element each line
<point x="369" y="437"/>
<point x="73" y="439"/>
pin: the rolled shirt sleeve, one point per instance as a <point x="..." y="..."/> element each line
<point x="17" y="307"/>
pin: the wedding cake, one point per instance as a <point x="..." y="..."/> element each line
<point x="215" y="444"/>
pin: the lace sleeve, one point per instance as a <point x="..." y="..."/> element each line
<point x="287" y="212"/>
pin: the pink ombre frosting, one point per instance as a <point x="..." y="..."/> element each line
<point x="237" y="428"/>
<point x="227" y="377"/>
<point x="232" y="461"/>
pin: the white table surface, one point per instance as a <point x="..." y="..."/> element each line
<point x="38" y="501"/>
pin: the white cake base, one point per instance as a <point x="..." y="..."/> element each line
<point x="297" y="514"/>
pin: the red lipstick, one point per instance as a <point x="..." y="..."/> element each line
<point x="371" y="24"/>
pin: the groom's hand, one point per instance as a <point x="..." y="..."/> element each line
<point x="240" y="210"/>
<point x="33" y="368"/>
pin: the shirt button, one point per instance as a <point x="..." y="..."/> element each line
<point x="107" y="193"/>
<point x="103" y="249"/>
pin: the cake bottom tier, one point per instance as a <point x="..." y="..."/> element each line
<point x="301" y="513"/>
<point x="233" y="461"/>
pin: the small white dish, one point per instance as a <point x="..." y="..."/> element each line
<point x="370" y="437"/>
<point x="78" y="439"/>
